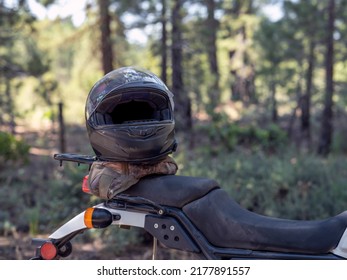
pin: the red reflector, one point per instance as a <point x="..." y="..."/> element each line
<point x="48" y="251"/>
<point x="85" y="185"/>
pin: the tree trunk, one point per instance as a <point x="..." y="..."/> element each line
<point x="183" y="107"/>
<point x="306" y="98"/>
<point x="244" y="74"/>
<point x="10" y="106"/>
<point x="106" y="41"/>
<point x="62" y="142"/>
<point x="163" y="42"/>
<point x="274" y="113"/>
<point x="327" y="117"/>
<point x="297" y="107"/>
<point x="211" y="27"/>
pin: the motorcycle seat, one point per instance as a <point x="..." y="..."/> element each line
<point x="226" y="224"/>
<point x="172" y="190"/>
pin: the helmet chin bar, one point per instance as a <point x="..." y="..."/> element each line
<point x="136" y="142"/>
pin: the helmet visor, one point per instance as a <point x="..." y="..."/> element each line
<point x="132" y="106"/>
<point x="116" y="79"/>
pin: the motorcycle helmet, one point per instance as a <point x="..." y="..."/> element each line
<point x="129" y="117"/>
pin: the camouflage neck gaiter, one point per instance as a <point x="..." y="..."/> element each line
<point x="107" y="179"/>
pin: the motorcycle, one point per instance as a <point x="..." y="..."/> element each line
<point x="196" y="215"/>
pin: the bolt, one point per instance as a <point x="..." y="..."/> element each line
<point x="172" y="228"/>
<point x="156" y="225"/>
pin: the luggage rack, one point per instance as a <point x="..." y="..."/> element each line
<point x="79" y="159"/>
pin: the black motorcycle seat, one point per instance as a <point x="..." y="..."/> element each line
<point x="226" y="224"/>
<point x="172" y="190"/>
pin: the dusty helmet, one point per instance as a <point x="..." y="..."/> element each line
<point x="129" y="117"/>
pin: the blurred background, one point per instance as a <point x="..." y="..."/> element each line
<point x="260" y="94"/>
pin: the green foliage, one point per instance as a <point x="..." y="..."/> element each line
<point x="226" y="135"/>
<point x="40" y="199"/>
<point x="339" y="144"/>
<point x="37" y="63"/>
<point x="33" y="217"/>
<point x="117" y="239"/>
<point x="285" y="185"/>
<point x="12" y="149"/>
<point x="64" y="196"/>
<point x="47" y="3"/>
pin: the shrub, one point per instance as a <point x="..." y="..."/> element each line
<point x="283" y="185"/>
<point x="12" y="149"/>
<point x="225" y="135"/>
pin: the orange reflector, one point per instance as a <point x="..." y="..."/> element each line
<point x="88" y="217"/>
<point x="85" y="185"/>
<point x="48" y="251"/>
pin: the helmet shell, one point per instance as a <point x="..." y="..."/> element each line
<point x="129" y="117"/>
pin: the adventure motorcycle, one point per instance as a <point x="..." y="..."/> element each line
<point x="196" y="215"/>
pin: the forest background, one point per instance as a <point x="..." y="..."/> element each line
<point x="260" y="99"/>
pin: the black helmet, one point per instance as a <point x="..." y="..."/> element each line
<point x="129" y="117"/>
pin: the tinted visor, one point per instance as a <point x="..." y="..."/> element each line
<point x="117" y="79"/>
<point x="132" y="106"/>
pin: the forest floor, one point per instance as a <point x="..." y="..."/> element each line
<point x="19" y="247"/>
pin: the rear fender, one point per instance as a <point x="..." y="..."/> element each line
<point x="341" y="249"/>
<point x="122" y="218"/>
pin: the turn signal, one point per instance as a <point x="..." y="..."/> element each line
<point x="48" y="251"/>
<point x="97" y="218"/>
